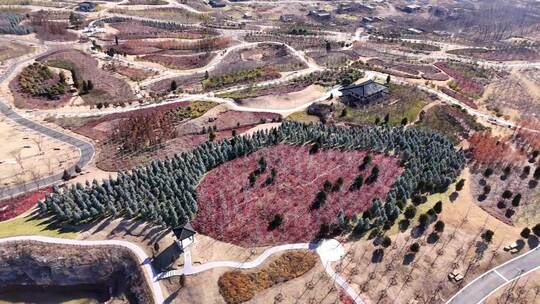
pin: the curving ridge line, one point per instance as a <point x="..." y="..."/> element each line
<point x="148" y="271"/>
<point x="482" y="287"/>
<point x="86" y="148"/>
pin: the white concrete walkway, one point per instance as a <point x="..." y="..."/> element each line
<point x="328" y="251"/>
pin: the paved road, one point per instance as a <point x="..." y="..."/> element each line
<point x="148" y="271"/>
<point x="485" y="285"/>
<point x="86" y="149"/>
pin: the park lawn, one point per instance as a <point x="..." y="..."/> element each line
<point x="30" y="226"/>
<point x="397" y="111"/>
<point x="303" y="116"/>
<point x="402" y="102"/>
<point x="423" y="208"/>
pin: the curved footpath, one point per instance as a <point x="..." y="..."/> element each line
<point x="148" y="270"/>
<point x="328" y="251"/>
<point x="86" y="149"/>
<point x="488" y="283"/>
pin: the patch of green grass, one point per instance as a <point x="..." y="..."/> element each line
<point x="303" y="116"/>
<point x="194" y="110"/>
<point x="423" y="208"/>
<point x="31" y="226"/>
<point x="402" y="102"/>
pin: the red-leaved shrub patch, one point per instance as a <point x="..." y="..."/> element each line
<point x="12" y="207"/>
<point x="232" y="210"/>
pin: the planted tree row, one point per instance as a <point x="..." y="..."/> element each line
<point x="164" y="192"/>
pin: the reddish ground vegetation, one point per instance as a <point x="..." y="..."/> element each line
<point x="111" y="159"/>
<point x="189" y="135"/>
<point x="49" y="30"/>
<point x="97" y="128"/>
<point x="490" y="150"/>
<point x="141" y="46"/>
<point x="137" y="30"/>
<point x="344" y="298"/>
<point x="180" y="62"/>
<point x="465" y="84"/>
<point x="231" y="210"/>
<point x="12" y="207"/>
<point x="466" y="100"/>
<point x="511" y="54"/>
<point x="240" y="286"/>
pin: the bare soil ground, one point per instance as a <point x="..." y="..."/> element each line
<point x="263" y="55"/>
<point x="525" y="291"/>
<point x="27" y="155"/>
<point x="515" y="95"/>
<point x="133" y="73"/>
<point x="402" y="275"/>
<point x="503" y="208"/>
<point x="315" y="286"/>
<point x="285" y="101"/>
<point x="11" y="50"/>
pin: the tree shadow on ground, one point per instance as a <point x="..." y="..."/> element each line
<point x="533" y="183"/>
<point x="532" y="241"/>
<point x="481" y="247"/>
<point x="409" y="258"/>
<point x="378" y="255"/>
<point x="165" y="259"/>
<point x="432" y="238"/>
<point x="404" y="225"/>
<point x="417" y="231"/>
<point x="103" y="224"/>
<point x="172" y="297"/>
<point x="156" y="237"/>
<point x="453" y="196"/>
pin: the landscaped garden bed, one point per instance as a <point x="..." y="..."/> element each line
<point x="135" y="29"/>
<point x="106" y="89"/>
<point x="165" y="192"/>
<point x="240" y="286"/>
<point x="239" y="211"/>
<point x="38" y="86"/>
<point x="464" y="78"/>
<point x="15" y="206"/>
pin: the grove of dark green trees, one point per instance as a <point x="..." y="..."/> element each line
<point x="164" y="192"/>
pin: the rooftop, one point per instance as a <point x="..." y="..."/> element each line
<point x="184" y="232"/>
<point x="364" y="89"/>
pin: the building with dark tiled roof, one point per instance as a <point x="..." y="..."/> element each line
<point x="363" y="93"/>
<point x="185" y="235"/>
